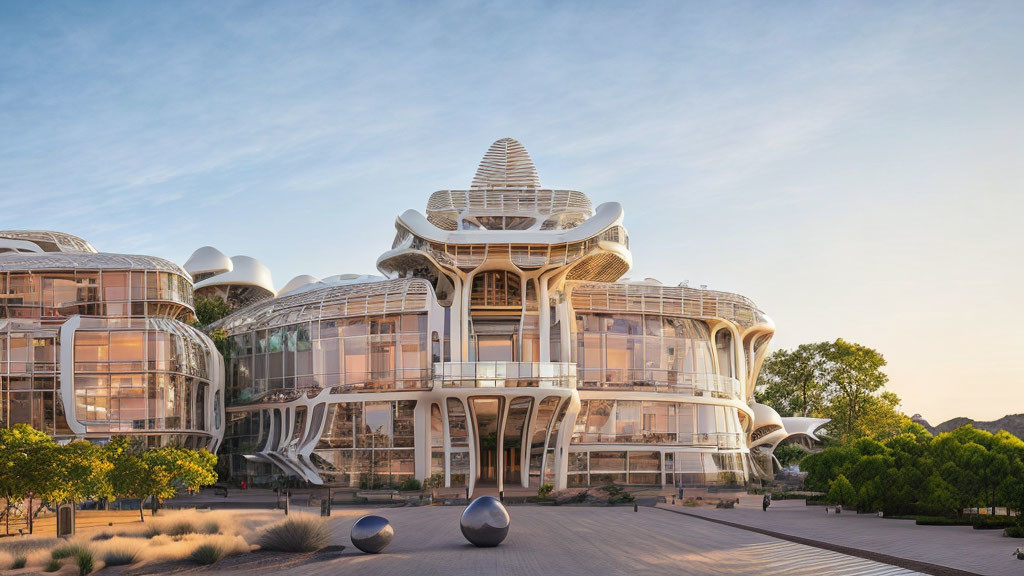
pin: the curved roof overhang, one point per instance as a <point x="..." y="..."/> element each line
<point x="607" y="215"/>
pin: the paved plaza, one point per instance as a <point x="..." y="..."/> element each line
<point x="581" y="541"/>
<point x="960" y="547"/>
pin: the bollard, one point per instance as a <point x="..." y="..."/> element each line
<point x="635" y="508"/>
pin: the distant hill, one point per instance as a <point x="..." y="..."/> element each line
<point x="1012" y="423"/>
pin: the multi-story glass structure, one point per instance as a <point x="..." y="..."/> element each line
<point x="501" y="347"/>
<point x="94" y="345"/>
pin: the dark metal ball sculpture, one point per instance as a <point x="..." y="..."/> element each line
<point x="485" y="522"/>
<point x="372" y="534"/>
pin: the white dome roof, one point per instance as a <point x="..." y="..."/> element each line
<point x="296" y="283"/>
<point x="208" y="260"/>
<point x="245" y="271"/>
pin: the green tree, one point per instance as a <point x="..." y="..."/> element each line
<point x="841" y="492"/>
<point x="791" y="381"/>
<point x="157" y="473"/>
<point x="209" y="310"/>
<point x="85" y="470"/>
<point x="27" y="464"/>
<point x="854" y="375"/>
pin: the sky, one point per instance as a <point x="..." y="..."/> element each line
<point x="857" y="169"/>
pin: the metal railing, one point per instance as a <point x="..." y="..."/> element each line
<point x="505" y="374"/>
<point x="669" y="381"/>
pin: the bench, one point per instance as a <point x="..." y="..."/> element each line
<point x="378" y="495"/>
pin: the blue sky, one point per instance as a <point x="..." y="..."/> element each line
<point x="855" y="168"/>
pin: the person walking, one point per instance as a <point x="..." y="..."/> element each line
<point x="766" y="501"/>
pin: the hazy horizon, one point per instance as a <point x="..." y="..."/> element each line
<point x="854" y="168"/>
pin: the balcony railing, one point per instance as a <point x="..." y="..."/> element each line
<point x="506" y="374"/>
<point x="724" y="440"/>
<point x="669" y="381"/>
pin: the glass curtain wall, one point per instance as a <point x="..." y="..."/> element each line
<point x="344" y="354"/>
<point x="636" y="352"/>
<point x="368" y="444"/>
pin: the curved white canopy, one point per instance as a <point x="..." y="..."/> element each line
<point x="207" y="260"/>
<point x="245" y="271"/>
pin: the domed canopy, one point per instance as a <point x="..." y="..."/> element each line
<point x="208" y="260"/>
<point x="506" y="165"/>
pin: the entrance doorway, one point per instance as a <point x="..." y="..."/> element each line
<point x="486" y="416"/>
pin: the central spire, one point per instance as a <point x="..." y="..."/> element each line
<point x="506" y="165"/>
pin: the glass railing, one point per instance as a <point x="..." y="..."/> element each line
<point x="505" y="374"/>
<point x="669" y="381"/>
<point x="724" y="440"/>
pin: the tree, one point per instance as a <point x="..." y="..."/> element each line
<point x="854" y="375"/>
<point x="157" y="472"/>
<point x="841" y="492"/>
<point x="838" y="380"/>
<point x="790" y="381"/>
<point x="209" y="310"/>
<point x="84" y="470"/>
<point x="27" y="464"/>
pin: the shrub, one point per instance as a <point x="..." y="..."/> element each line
<point x="410" y="485"/>
<point x="19" y="562"/>
<point x="68" y="550"/>
<point x="210" y="527"/>
<point x="616" y="494"/>
<point x="545" y="490"/>
<point x="206" y="554"/>
<point x="841" y="492"/>
<point x="84" y="562"/>
<point x="1014" y="532"/>
<point x="52" y="566"/>
<point x="298" y="534"/>
<point x="121" y="555"/>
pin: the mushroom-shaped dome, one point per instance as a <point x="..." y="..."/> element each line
<point x="296" y="283"/>
<point x="245" y="271"/>
<point x="506" y="165"/>
<point x="207" y="261"/>
<point x="765" y="415"/>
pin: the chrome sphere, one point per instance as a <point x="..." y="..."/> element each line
<point x="485" y="522"/>
<point x="371" y="534"/>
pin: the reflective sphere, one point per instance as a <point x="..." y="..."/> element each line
<point x="485" y="522"/>
<point x="371" y="534"/>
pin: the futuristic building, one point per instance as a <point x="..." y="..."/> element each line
<point x="94" y="345"/>
<point x="502" y="347"/>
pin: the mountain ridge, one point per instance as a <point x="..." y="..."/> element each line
<point x="1012" y="423"/>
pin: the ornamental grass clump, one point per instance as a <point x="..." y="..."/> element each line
<point x="206" y="554"/>
<point x="69" y="550"/>
<point x="297" y="534"/>
<point x="19" y="562"/>
<point x="122" y="554"/>
<point x="52" y="566"/>
<point x="84" y="562"/>
<point x="180" y="528"/>
<point x="210" y="527"/>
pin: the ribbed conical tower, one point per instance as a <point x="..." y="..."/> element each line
<point x="506" y="165"/>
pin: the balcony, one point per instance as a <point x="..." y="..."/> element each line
<point x="667" y="381"/>
<point x="721" y="440"/>
<point x="506" y="374"/>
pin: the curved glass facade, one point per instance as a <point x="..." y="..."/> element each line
<point x="55" y="294"/>
<point x="94" y="345"/>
